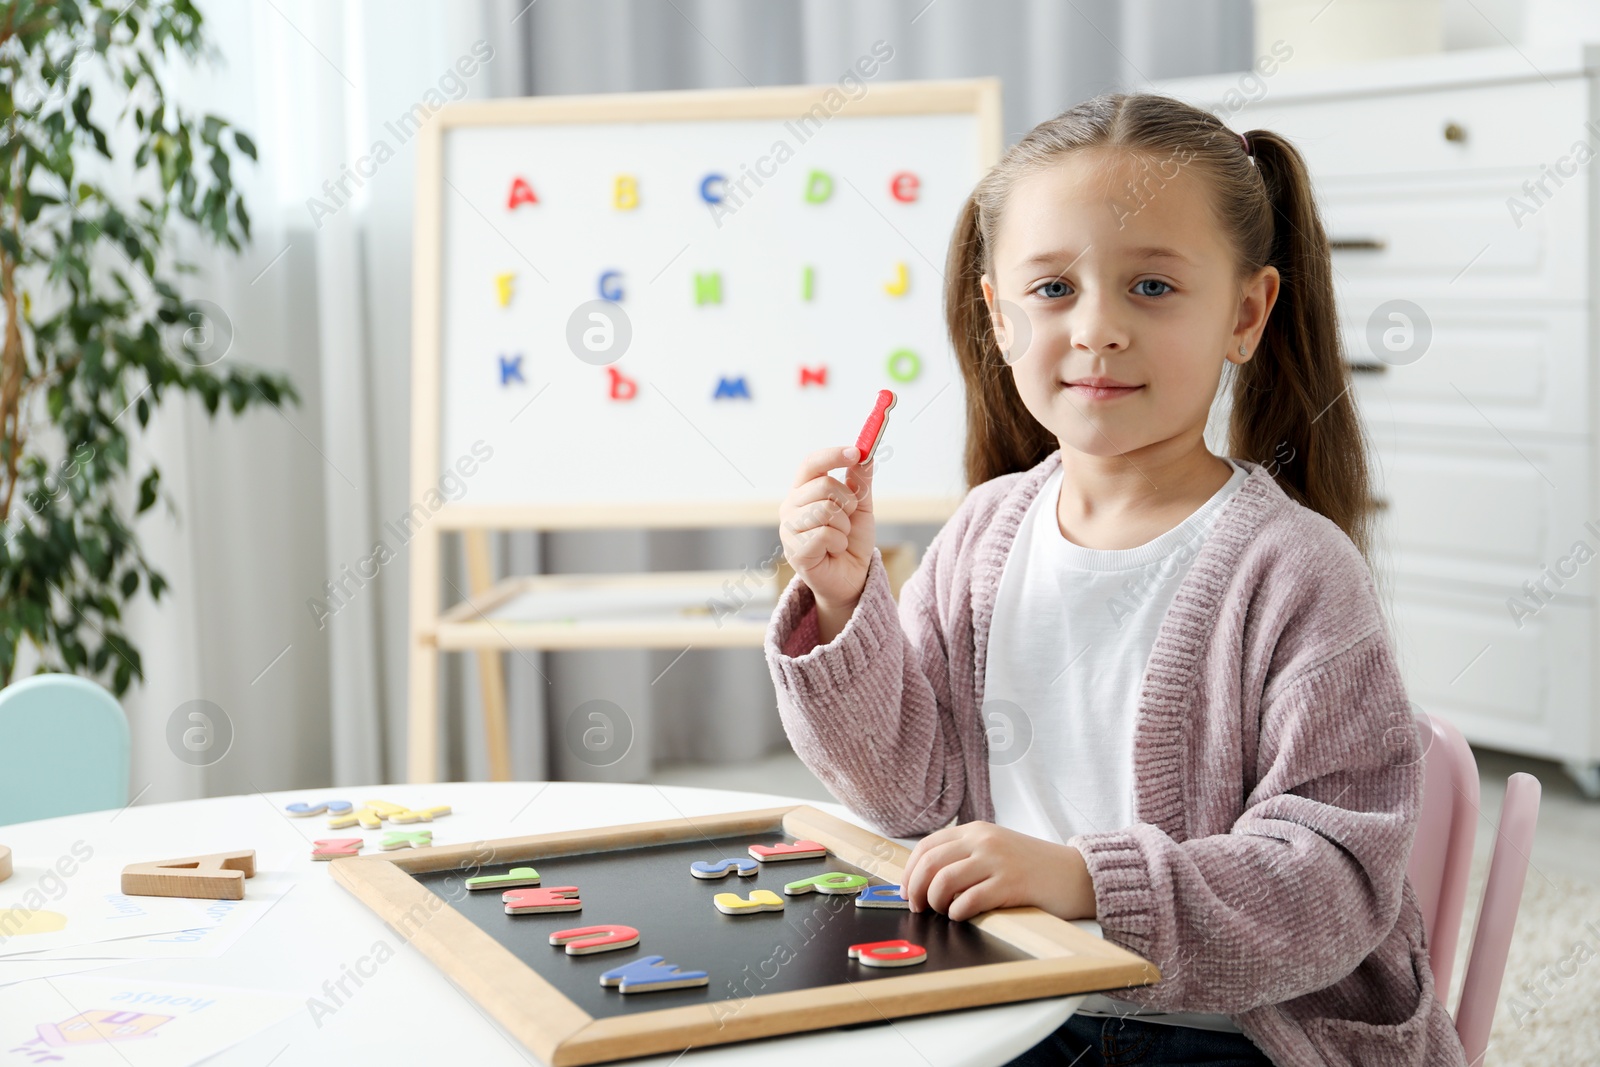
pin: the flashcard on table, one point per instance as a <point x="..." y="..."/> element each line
<point x="760" y="900"/>
<point x="649" y="974"/>
<point x="832" y="882"/>
<point x="723" y="868"/>
<point x="215" y="876"/>
<point x="86" y="917"/>
<point x="897" y="953"/>
<point x="333" y="807"/>
<point x="800" y="850"/>
<point x="212" y="927"/>
<point x="406" y="839"/>
<point x="882" y="896"/>
<point x="537" y="901"/>
<point x="28" y="969"/>
<point x="583" y="940"/>
<point x="90" y="1021"/>
<point x="332" y="848"/>
<point x="514" y="877"/>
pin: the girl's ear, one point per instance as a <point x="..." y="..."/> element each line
<point x="1256" y="299"/>
<point x="997" y="321"/>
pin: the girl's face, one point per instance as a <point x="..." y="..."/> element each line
<point x="1116" y="301"/>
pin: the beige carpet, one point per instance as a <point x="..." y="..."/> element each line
<point x="1554" y="1019"/>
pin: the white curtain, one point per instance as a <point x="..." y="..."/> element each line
<point x="273" y="506"/>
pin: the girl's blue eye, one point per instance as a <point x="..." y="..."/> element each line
<point x="1061" y="288"/>
<point x="1151" y="281"/>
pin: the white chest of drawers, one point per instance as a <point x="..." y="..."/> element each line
<point x="1462" y="185"/>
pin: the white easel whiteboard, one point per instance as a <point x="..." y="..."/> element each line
<point x="666" y="449"/>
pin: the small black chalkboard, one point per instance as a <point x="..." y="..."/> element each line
<point x="769" y="972"/>
<point x="652" y="890"/>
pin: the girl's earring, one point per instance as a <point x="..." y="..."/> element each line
<point x="1241" y="349"/>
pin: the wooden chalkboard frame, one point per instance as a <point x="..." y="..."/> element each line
<point x="1065" y="960"/>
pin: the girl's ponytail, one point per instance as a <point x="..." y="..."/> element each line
<point x="1001" y="435"/>
<point x="1292" y="408"/>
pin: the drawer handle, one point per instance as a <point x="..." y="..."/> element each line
<point x="1454" y="132"/>
<point x="1357" y="244"/>
<point x="1368" y="368"/>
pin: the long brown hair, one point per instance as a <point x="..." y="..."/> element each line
<point x="1291" y="405"/>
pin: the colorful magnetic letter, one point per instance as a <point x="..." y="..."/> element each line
<point x="511" y="369"/>
<point x="406" y="839"/>
<point x="806" y="280"/>
<point x="819" y="186"/>
<point x="611" y="285"/>
<point x="709" y="195"/>
<point x="731" y="388"/>
<point x="722" y="868"/>
<point x="882" y="896"/>
<point x="582" y="940"/>
<point x="819" y="376"/>
<point x="535" y="901"/>
<point x="708" y="288"/>
<point x="331" y="848"/>
<point x="370" y="815"/>
<point x="832" y="882"/>
<point x="904" y="365"/>
<point x="502" y="287"/>
<point x="521" y="193"/>
<point x="899" y="953"/>
<point x="407" y="815"/>
<point x="760" y="900"/>
<point x="903" y="187"/>
<point x="648" y="974"/>
<point x="622" y="387"/>
<point x="332" y="807"/>
<point x="902" y="281"/>
<point x="800" y="850"/>
<point x="516" y="876"/>
<point x="877" y="422"/>
<point x="626" y="196"/>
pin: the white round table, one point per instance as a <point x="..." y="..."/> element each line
<point x="408" y="1012"/>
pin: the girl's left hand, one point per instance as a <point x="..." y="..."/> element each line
<point x="974" y="867"/>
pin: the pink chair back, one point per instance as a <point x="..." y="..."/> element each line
<point x="1497" y="915"/>
<point x="1441" y="859"/>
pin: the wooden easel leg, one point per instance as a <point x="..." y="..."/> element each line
<point x="422" y="737"/>
<point x="422" y="733"/>
<point x="491" y="669"/>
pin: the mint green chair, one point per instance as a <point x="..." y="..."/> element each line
<point x="64" y="749"/>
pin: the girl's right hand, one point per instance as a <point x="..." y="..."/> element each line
<point x="827" y="527"/>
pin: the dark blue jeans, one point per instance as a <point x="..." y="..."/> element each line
<point x="1097" y="1041"/>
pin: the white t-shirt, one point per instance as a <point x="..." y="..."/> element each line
<point x="1072" y="633"/>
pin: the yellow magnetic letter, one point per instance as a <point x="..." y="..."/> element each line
<point x="626" y="197"/>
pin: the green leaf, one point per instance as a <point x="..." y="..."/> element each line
<point x="246" y="145"/>
<point x="147" y="491"/>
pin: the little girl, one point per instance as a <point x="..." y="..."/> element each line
<point x="1130" y="680"/>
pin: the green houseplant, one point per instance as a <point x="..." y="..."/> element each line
<point x="97" y="331"/>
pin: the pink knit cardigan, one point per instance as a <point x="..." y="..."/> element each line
<point x="1275" y="799"/>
